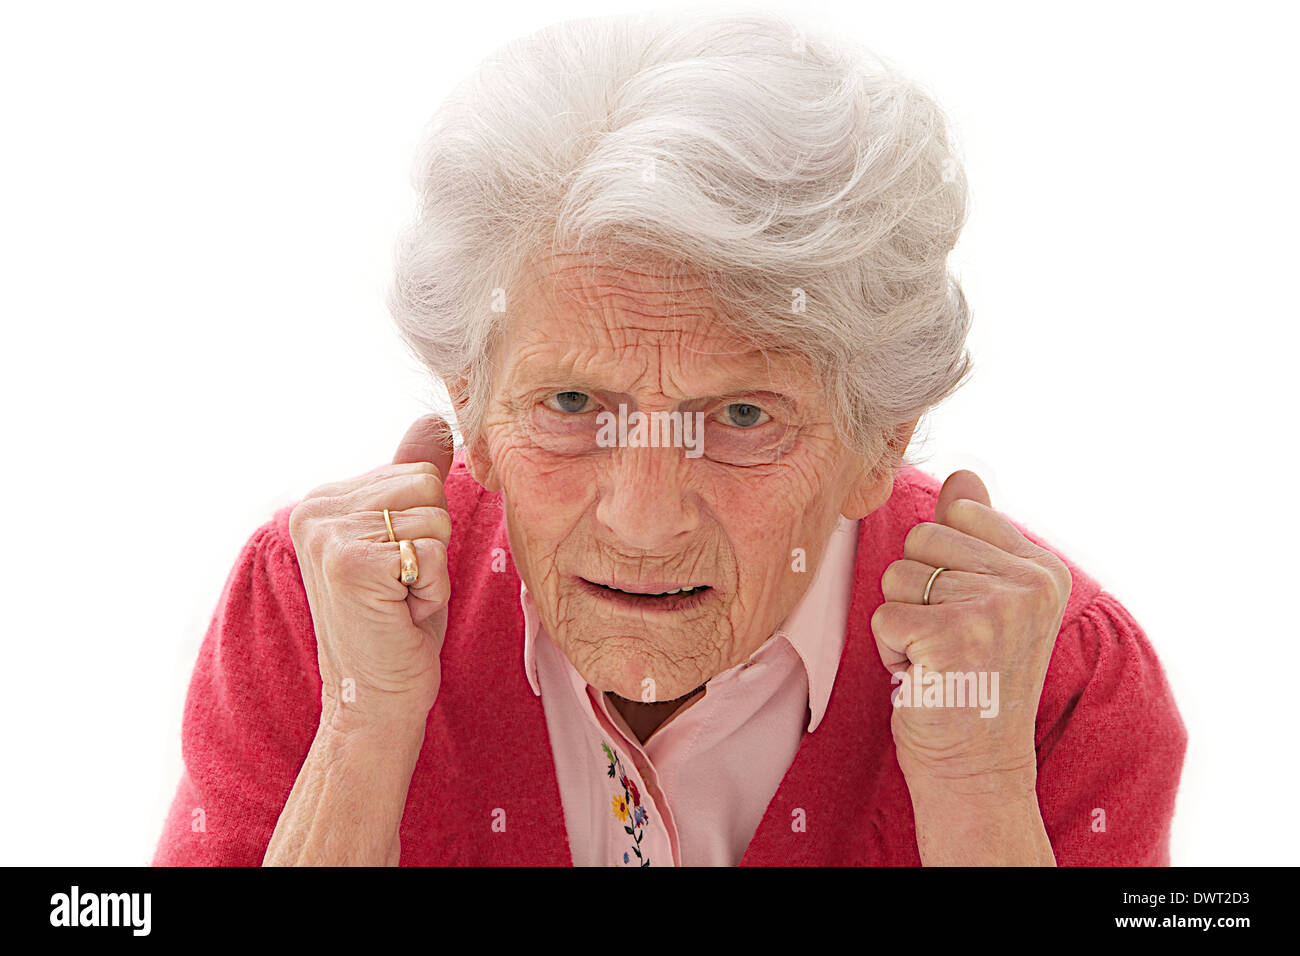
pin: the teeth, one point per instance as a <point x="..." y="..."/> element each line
<point x="689" y="590"/>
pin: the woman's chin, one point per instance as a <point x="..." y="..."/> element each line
<point x="637" y="675"/>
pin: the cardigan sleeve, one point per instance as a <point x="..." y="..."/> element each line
<point x="1111" y="743"/>
<point x="250" y="714"/>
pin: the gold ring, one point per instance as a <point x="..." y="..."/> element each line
<point x="410" y="569"/>
<point x="926" y="598"/>
<point x="389" y="521"/>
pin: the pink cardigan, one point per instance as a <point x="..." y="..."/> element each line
<point x="1109" y="736"/>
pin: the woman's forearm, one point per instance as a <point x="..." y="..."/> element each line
<point x="346" y="805"/>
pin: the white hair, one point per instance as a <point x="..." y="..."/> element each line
<point x="788" y="170"/>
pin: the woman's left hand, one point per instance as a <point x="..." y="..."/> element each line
<point x="994" y="614"/>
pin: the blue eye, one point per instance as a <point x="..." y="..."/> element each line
<point x="744" y="415"/>
<point x="570" y="402"/>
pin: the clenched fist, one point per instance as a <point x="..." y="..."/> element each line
<point x="994" y="613"/>
<point x="378" y="640"/>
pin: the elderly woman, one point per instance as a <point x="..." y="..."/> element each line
<point x="680" y="597"/>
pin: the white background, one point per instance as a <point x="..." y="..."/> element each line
<point x="197" y="211"/>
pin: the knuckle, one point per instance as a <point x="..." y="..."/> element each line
<point x="960" y="508"/>
<point x="1029" y="574"/>
<point x="1046" y="581"/>
<point x="439" y="586"/>
<point x="437" y="593"/>
<point x="301" y="520"/>
<point x="889" y="581"/>
<point x="918" y="537"/>
<point x="1042" y="593"/>
<point x="1053" y="596"/>
<point x="429" y="485"/>
<point x="440" y="522"/>
<point x="1062" y="577"/>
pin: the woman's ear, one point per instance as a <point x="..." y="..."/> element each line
<point x="475" y="449"/>
<point x="480" y="466"/>
<point x="874" y="485"/>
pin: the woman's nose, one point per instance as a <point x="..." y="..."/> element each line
<point x="646" y="501"/>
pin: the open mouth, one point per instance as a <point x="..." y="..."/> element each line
<point x="671" y="599"/>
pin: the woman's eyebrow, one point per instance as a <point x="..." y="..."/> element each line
<point x="759" y="396"/>
<point x="579" y="383"/>
<point x="531" y="376"/>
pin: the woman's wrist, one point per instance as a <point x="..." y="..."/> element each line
<point x="399" y="718"/>
<point x="1000" y="825"/>
<point x="347" y="803"/>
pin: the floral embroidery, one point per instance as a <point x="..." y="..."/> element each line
<point x="620" y="807"/>
<point x="625" y="804"/>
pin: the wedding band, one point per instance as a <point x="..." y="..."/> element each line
<point x="410" y="570"/>
<point x="926" y="598"/>
<point x="410" y="567"/>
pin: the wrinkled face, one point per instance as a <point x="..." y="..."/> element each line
<point x="662" y="550"/>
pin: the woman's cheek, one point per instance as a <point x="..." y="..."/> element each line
<point x="548" y="493"/>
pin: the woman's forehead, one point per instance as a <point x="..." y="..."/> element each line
<point x="618" y="325"/>
<point x="661" y="294"/>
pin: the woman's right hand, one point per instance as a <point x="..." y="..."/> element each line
<point x="378" y="641"/>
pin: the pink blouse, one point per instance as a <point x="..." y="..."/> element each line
<point x="695" y="792"/>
